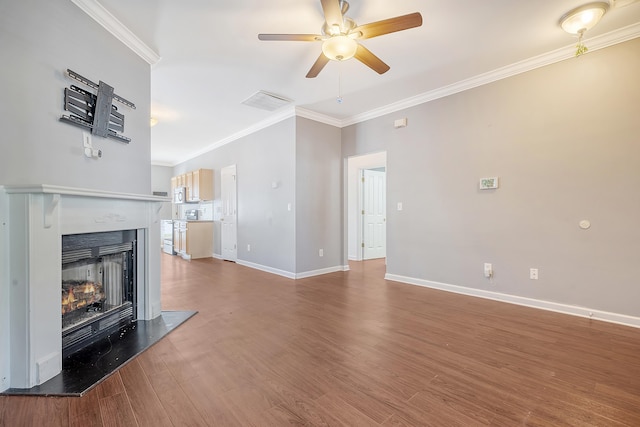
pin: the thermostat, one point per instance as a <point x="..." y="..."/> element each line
<point x="488" y="183"/>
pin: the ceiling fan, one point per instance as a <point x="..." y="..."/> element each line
<point x="340" y="33"/>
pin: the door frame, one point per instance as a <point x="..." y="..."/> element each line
<point x="222" y="228"/>
<point x="353" y="199"/>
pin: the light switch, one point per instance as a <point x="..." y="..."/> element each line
<point x="399" y="206"/>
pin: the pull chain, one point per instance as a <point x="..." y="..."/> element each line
<point x="339" y="98"/>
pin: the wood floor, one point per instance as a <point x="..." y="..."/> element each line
<point x="352" y="349"/>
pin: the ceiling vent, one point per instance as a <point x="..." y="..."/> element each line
<point x="266" y="101"/>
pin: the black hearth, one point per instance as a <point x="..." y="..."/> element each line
<point x="98" y="294"/>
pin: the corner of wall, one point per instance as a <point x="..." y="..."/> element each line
<point x="5" y="378"/>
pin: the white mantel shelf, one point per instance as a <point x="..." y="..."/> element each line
<point x="82" y="192"/>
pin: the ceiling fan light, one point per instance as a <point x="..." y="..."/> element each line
<point x="339" y="48"/>
<point x="583" y="18"/>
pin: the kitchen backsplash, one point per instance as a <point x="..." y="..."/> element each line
<point x="205" y="210"/>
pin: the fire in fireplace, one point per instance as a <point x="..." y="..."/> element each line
<point x="98" y="286"/>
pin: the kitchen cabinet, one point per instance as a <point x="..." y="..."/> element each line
<point x="199" y="184"/>
<point x="188" y="182"/>
<point x="202" y="185"/>
<point x="193" y="239"/>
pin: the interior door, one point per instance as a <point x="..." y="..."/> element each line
<point x="374" y="214"/>
<point x="228" y="218"/>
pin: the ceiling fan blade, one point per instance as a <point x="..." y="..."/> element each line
<point x="390" y="25"/>
<point x="365" y="56"/>
<point x="332" y="12"/>
<point x="291" y="37"/>
<point x="317" y="66"/>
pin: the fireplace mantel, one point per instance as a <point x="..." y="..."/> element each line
<point x="81" y="192"/>
<point x="39" y="215"/>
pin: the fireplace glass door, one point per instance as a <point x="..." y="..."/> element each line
<point x="98" y="286"/>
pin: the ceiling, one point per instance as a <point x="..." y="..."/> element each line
<point x="212" y="60"/>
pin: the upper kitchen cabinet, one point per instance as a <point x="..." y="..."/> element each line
<point x="198" y="184"/>
<point x="202" y="185"/>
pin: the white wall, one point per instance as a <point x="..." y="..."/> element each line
<point x="39" y="40"/>
<point x="564" y="141"/>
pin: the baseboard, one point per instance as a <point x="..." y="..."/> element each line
<point x="322" y="271"/>
<point x="290" y="275"/>
<point x="590" y="313"/>
<point x="217" y="256"/>
<point x="287" y="274"/>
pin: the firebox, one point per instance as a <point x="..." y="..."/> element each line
<point x="98" y="286"/>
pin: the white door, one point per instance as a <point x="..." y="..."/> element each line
<point x="228" y="218"/>
<point x="374" y="214"/>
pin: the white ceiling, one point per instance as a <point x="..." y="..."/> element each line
<point x="211" y="58"/>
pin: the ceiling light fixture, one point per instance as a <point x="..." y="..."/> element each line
<point x="581" y="19"/>
<point x="339" y="48"/>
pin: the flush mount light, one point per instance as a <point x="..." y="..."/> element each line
<point x="581" y="19"/>
<point x="339" y="48"/>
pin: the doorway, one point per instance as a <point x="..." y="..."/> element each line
<point x="356" y="166"/>
<point x="228" y="218"/>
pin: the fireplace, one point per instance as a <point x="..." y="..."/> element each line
<point x="99" y="246"/>
<point x="98" y="293"/>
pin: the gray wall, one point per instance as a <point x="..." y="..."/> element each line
<point x="564" y="141"/>
<point x="161" y="182"/>
<point x="161" y="178"/>
<point x="264" y="222"/>
<point x="4" y="293"/>
<point x="318" y="196"/>
<point x="39" y="40"/>
<point x="301" y="159"/>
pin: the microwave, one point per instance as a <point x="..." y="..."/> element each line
<point x="180" y="195"/>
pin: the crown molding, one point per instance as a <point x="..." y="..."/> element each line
<point x="318" y="117"/>
<point x="110" y="23"/>
<point x="286" y="114"/>
<point x="596" y="43"/>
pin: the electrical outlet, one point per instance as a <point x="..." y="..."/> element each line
<point x="488" y="270"/>
<point x="533" y="273"/>
<point x="321" y="252"/>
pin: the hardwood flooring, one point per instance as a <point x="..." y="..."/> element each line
<point x="351" y="349"/>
